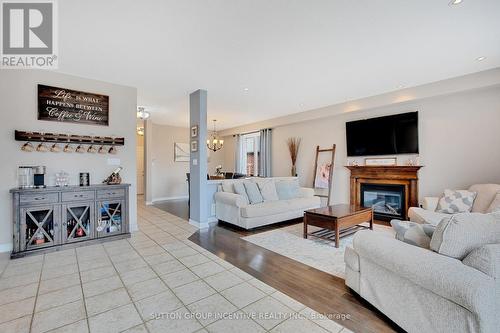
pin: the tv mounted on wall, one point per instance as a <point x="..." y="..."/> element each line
<point x="390" y="135"/>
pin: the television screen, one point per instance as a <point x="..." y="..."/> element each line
<point x="397" y="134"/>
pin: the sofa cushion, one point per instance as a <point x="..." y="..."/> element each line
<point x="239" y="188"/>
<point x="456" y="236"/>
<point x="420" y="215"/>
<point x="267" y="188"/>
<point x="485" y="259"/>
<point x="495" y="204"/>
<point x="287" y="189"/>
<point x="264" y="209"/>
<point x="413" y="233"/>
<point x="253" y="193"/>
<point x="485" y="195"/>
<point x="228" y="187"/>
<point x="303" y="203"/>
<point x="458" y="201"/>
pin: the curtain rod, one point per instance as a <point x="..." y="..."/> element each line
<point x="252" y="132"/>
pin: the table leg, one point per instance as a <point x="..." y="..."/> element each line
<point x="337" y="235"/>
<point x="305" y="226"/>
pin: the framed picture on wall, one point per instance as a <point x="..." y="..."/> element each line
<point x="181" y="152"/>
<point x="194" y="131"/>
<point x="194" y="146"/>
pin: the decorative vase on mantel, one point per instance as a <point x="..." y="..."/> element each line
<point x="294" y="171"/>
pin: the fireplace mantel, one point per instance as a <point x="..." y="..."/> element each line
<point x="395" y="175"/>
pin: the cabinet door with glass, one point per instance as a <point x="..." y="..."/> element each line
<point x="77" y="222"/>
<point x="110" y="218"/>
<point x="40" y="227"/>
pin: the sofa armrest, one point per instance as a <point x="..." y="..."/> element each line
<point x="231" y="199"/>
<point x="430" y="203"/>
<point x="305" y="192"/>
<point x="442" y="275"/>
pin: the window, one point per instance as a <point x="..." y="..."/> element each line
<point x="250" y="147"/>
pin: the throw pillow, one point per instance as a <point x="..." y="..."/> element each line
<point x="456" y="236"/>
<point x="239" y="188"/>
<point x="454" y="202"/>
<point x="413" y="233"/>
<point x="287" y="189"/>
<point x="253" y="193"/>
<point x="267" y="189"/>
<point x="495" y="204"/>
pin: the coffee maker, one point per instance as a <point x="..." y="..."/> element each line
<point x="39" y="176"/>
<point x="31" y="177"/>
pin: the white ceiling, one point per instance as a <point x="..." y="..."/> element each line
<point x="291" y="55"/>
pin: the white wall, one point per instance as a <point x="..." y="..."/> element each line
<point x="18" y="96"/>
<point x="459" y="137"/>
<point x="168" y="178"/>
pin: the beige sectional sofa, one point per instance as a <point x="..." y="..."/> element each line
<point x="452" y="286"/>
<point x="235" y="209"/>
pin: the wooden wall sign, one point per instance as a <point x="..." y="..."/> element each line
<point x="65" y="105"/>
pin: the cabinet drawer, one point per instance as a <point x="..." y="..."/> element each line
<point x="75" y="196"/>
<point x="36" y="199"/>
<point x="111" y="193"/>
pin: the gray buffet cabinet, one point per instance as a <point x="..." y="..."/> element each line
<point x="57" y="218"/>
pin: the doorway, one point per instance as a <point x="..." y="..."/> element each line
<point x="140" y="157"/>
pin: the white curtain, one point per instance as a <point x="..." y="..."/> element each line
<point x="238" y="153"/>
<point x="265" y="167"/>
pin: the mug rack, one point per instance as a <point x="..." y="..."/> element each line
<point x="68" y="138"/>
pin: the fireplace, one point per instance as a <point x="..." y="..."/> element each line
<point x="391" y="189"/>
<point x="387" y="200"/>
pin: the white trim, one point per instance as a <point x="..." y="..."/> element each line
<point x="213" y="219"/>
<point x="169" y="198"/>
<point x="6" y="247"/>
<point x="198" y="224"/>
<point x="149" y="203"/>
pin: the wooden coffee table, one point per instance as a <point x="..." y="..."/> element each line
<point x="337" y="221"/>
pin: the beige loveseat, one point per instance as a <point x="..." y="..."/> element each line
<point x="235" y="209"/>
<point x="486" y="193"/>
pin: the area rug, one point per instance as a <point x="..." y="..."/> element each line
<point x="318" y="253"/>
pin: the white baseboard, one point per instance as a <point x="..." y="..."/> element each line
<point x="198" y="224"/>
<point x="169" y="198"/>
<point x="212" y="219"/>
<point x="149" y="203"/>
<point x="6" y="247"/>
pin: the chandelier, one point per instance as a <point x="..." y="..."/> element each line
<point x="142" y="113"/>
<point x="214" y="143"/>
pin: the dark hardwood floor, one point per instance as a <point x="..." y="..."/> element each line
<point x="318" y="290"/>
<point x="178" y="208"/>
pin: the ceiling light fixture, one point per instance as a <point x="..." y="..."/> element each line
<point x="140" y="131"/>
<point x="455" y="2"/>
<point x="142" y="113"/>
<point x="245" y="89"/>
<point x="214" y="143"/>
<point x="481" y="58"/>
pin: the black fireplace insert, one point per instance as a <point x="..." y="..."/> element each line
<point x="387" y="200"/>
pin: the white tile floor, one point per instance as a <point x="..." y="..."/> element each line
<point x="156" y="281"/>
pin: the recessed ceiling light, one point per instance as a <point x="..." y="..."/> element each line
<point x="400" y="86"/>
<point x="481" y="58"/>
<point x="245" y="89"/>
<point x="455" y="2"/>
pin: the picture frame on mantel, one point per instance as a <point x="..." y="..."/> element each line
<point x="381" y="161"/>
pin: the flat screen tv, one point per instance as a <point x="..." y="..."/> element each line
<point x="390" y="135"/>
